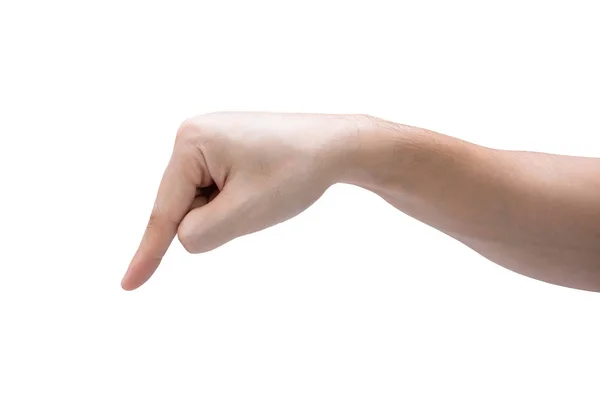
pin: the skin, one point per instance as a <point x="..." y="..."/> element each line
<point x="232" y="174"/>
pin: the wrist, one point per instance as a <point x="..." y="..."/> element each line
<point x="369" y="151"/>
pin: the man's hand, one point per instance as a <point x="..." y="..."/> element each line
<point x="232" y="174"/>
<point x="236" y="173"/>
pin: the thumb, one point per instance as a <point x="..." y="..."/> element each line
<point x="212" y="225"/>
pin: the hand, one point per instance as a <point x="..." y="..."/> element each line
<point x="232" y="174"/>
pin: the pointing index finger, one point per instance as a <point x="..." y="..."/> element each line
<point x="175" y="196"/>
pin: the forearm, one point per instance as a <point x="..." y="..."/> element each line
<point x="537" y="214"/>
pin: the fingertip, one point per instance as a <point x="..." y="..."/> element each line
<point x="127" y="281"/>
<point x="126" y="285"/>
<point x="139" y="272"/>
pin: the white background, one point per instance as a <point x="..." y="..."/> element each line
<point x="350" y="300"/>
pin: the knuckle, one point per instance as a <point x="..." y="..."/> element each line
<point x="188" y="131"/>
<point x="187" y="247"/>
<point x="159" y="218"/>
<point x="152" y="221"/>
<point x="195" y="131"/>
<point x="187" y="239"/>
<point x="192" y="241"/>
